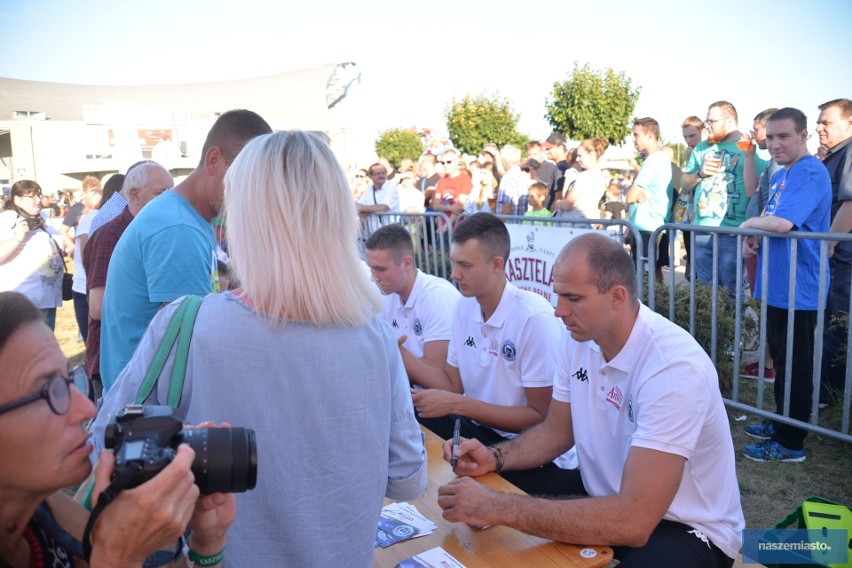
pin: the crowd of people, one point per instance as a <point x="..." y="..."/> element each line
<point x="333" y="359"/>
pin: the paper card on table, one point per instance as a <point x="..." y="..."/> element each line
<point x="408" y="513"/>
<point x="391" y="531"/>
<point x="435" y="558"/>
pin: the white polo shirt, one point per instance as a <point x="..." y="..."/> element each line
<point x="660" y="392"/>
<point x="426" y="316"/>
<point x="387" y="195"/>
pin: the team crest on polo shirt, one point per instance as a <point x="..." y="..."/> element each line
<point x="508" y="350"/>
<point x="630" y="408"/>
<point x="418" y="327"/>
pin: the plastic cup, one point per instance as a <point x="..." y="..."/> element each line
<point x="744" y="145"/>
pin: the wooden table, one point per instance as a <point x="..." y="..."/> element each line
<point x="496" y="546"/>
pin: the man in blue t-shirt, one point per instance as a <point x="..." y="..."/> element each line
<point x="799" y="200"/>
<point x="650" y="197"/>
<point x="169" y="250"/>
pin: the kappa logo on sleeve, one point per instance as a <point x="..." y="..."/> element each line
<point x="469" y="342"/>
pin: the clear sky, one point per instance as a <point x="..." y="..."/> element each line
<point x="416" y="57"/>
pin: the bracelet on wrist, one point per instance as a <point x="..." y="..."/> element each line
<point x="196" y="559"/>
<point x="498" y="455"/>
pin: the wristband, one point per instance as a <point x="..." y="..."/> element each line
<point x="498" y="455"/>
<point x="195" y="559"/>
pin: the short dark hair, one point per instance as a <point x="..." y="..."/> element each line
<point x="491" y="232"/>
<point x="763" y="116"/>
<point x="393" y="237"/>
<point x="649" y="125"/>
<point x="16" y="310"/>
<point x="231" y="131"/>
<point x="844" y="105"/>
<point x="800" y="121"/>
<point x="379" y="164"/>
<point x="20" y="189"/>
<point x="112" y="185"/>
<point x="609" y="264"/>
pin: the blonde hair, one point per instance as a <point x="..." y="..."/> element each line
<point x="292" y="232"/>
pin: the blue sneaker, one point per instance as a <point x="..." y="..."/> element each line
<point x="772" y="451"/>
<point x="762" y="431"/>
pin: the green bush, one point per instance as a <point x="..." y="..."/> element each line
<point x="473" y="122"/>
<point x="398" y="143"/>
<point x="725" y="322"/>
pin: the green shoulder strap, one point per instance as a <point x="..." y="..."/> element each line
<point x="180" y="330"/>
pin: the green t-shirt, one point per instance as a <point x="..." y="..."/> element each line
<point x="720" y="200"/>
<point x="540" y="213"/>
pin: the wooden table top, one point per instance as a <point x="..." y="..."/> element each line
<point x="496" y="546"/>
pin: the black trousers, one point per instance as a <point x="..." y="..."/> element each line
<point x="801" y="370"/>
<point x="673" y="544"/>
<point x="548" y="479"/>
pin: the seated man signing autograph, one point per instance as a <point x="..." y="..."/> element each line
<point x="640" y="400"/>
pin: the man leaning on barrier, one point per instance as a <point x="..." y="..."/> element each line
<point x="799" y="200"/>
<point x="640" y="400"/>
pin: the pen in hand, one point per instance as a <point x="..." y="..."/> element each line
<point x="456" y="432"/>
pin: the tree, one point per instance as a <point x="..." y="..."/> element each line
<point x="592" y="103"/>
<point x="473" y="122"/>
<point x="398" y="143"/>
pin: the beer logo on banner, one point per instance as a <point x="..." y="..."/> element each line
<point x="509" y="351"/>
<point x="531" y="241"/>
<point x="418" y="327"/>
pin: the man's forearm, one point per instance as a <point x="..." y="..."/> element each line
<point x="373" y="208"/>
<point x="593" y="521"/>
<point x="749" y="173"/>
<point x="425" y="375"/>
<point x="772" y="223"/>
<point x="843" y="220"/>
<point x="508" y="418"/>
<point x="690" y="180"/>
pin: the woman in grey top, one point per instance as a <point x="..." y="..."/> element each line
<point x="299" y="354"/>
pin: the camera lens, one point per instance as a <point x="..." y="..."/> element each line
<point x="225" y="459"/>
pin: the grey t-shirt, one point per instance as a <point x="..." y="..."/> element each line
<point x="334" y="421"/>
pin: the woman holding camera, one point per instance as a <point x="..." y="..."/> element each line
<point x="300" y="354"/>
<point x="44" y="449"/>
<point x="30" y="259"/>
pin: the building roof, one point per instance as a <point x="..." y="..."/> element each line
<point x="298" y="99"/>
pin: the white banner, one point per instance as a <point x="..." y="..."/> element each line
<point x="533" y="253"/>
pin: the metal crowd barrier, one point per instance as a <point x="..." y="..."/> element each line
<point x="432" y="235"/>
<point x="740" y="312"/>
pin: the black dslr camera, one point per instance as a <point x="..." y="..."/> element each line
<point x="145" y="439"/>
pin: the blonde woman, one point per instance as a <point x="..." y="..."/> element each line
<point x="299" y="354"/>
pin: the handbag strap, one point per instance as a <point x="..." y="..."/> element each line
<point x="180" y="331"/>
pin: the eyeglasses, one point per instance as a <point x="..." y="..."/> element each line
<point x="57" y="392"/>
<point x="709" y="122"/>
<point x="33" y="195"/>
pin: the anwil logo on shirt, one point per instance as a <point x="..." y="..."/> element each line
<point x="469" y="342"/>
<point x="614" y="397"/>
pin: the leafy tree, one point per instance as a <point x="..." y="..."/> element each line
<point x="398" y="143"/>
<point x="592" y="103"/>
<point x="472" y="122"/>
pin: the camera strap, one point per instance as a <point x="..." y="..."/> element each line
<point x="108" y="495"/>
<point x="180" y="332"/>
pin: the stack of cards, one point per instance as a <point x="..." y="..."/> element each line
<point x="401" y="521"/>
<point x="435" y="558"/>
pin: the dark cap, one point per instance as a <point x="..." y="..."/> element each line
<point x="555" y="139"/>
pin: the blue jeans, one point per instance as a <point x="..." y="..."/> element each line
<point x="49" y="317"/>
<point x="81" y="312"/>
<point x="727" y="261"/>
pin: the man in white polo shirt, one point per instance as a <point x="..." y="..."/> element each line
<point x="418" y="306"/>
<point x="498" y="375"/>
<point x="381" y="197"/>
<point x="640" y="399"/>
